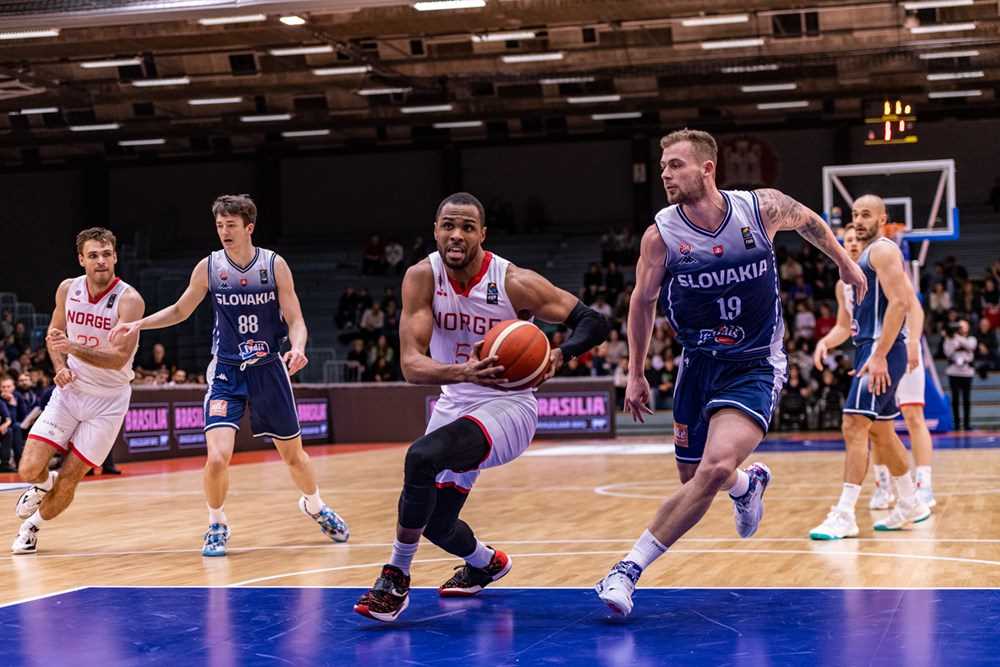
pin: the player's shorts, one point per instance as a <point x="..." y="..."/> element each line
<point x="508" y="422"/>
<point x="706" y="385"/>
<point x="265" y="387"/>
<point x="911" y="387"/>
<point x="860" y="400"/>
<point x="85" y="424"/>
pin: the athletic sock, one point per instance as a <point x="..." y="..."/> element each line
<point x="905" y="489"/>
<point x="35" y="520"/>
<point x="217" y="516"/>
<point x="402" y="555"/>
<point x="313" y="502"/>
<point x="849" y="497"/>
<point x="49" y="482"/>
<point x="645" y="550"/>
<point x="481" y="557"/>
<point x="882" y="477"/>
<point x="742" y="484"/>
<point x="923" y="477"/>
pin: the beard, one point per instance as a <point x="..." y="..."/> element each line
<point x="689" y="196"/>
<point x="456" y="264"/>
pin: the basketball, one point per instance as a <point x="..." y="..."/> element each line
<point x="522" y="349"/>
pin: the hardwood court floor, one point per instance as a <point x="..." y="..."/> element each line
<point x="564" y="519"/>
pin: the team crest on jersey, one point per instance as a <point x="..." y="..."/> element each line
<point x="717" y="250"/>
<point x="685" y="248"/>
<point x="680" y="435"/>
<point x="252" y="350"/>
<point x="263" y="276"/>
<point x="243" y="282"/>
<point x="748" y="238"/>
<point x="724" y="334"/>
<point x="111" y="300"/>
<point x="492" y="294"/>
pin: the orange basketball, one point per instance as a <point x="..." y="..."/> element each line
<point x="522" y="349"/>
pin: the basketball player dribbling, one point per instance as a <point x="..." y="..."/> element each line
<point x="709" y="259"/>
<point x="880" y="362"/>
<point x="93" y="376"/>
<point x="450" y="300"/>
<point x="256" y="309"/>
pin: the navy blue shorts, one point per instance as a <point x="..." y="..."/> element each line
<point x="860" y="400"/>
<point x="706" y="385"/>
<point x="266" y="388"/>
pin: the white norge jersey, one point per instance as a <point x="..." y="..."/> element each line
<point x="461" y="319"/>
<point x="89" y="320"/>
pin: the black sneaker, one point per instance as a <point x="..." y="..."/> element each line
<point x="388" y="598"/>
<point x="469" y="580"/>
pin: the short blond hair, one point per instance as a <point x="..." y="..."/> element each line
<point x="703" y="143"/>
<point x="99" y="234"/>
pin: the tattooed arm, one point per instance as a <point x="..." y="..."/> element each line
<point x="782" y="213"/>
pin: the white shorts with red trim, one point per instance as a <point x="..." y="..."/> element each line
<point x="911" y="387"/>
<point x="508" y="422"/>
<point x="82" y="423"/>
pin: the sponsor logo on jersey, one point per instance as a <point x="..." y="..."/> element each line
<point x="254" y="349"/>
<point x="492" y="294"/>
<point x="680" y="435"/>
<point x="258" y="299"/>
<point x="217" y="408"/>
<point x="111" y="300"/>
<point x="440" y="288"/>
<point x="717" y="250"/>
<point x="723" y="277"/>
<point x="263" y="276"/>
<point x="724" y="334"/>
<point x="748" y="238"/>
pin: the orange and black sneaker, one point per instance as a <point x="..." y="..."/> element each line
<point x="388" y="598"/>
<point x="469" y="580"/>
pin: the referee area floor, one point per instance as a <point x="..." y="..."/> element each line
<point x="119" y="578"/>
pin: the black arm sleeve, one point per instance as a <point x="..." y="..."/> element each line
<point x="590" y="328"/>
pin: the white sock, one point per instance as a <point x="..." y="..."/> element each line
<point x="882" y="477"/>
<point x="217" y="516"/>
<point x="923" y="477"/>
<point x="402" y="555"/>
<point x="48" y="483"/>
<point x="905" y="489"/>
<point x="742" y="484"/>
<point x="645" y="550"/>
<point x="849" y="497"/>
<point x="481" y="557"/>
<point x="35" y="520"/>
<point x="313" y="502"/>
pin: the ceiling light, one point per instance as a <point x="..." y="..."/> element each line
<point x="939" y="55"/>
<point x="292" y="20"/>
<point x="266" y="118"/>
<point x="566" y="79"/>
<point x="504" y="36"/>
<point x="769" y="87"/>
<point x="458" y="124"/>
<point x="942" y="27"/>
<point x="715" y="20"/>
<point x="733" y="43"/>
<point x="223" y="20"/>
<point x="743" y="69"/>
<point x="120" y="62"/>
<point x="954" y="93"/>
<point x="594" y="99"/>
<point x="533" y="57"/>
<point x="382" y="91"/>
<point x="29" y="34"/>
<point x="142" y="142"/>
<point x="348" y="69"/>
<point x="623" y="115"/>
<point x="94" y="128"/>
<point x="34" y="111"/>
<point x="149" y="83"/>
<point x="798" y="104"/>
<point x="291" y="134"/>
<point x="205" y="101"/>
<point x="430" y="108"/>
<point x="935" y="4"/>
<point x="301" y="50"/>
<point x="435" y="5"/>
<point x="947" y="76"/>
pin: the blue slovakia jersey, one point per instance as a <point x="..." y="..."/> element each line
<point x="720" y="291"/>
<point x="248" y="327"/>
<point x="867" y="316"/>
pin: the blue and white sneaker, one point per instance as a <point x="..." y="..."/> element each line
<point x="216" y="540"/>
<point x="748" y="509"/>
<point x="333" y="524"/>
<point x="615" y="590"/>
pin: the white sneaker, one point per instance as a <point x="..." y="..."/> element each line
<point x="615" y="590"/>
<point x="837" y="525"/>
<point x="333" y="524"/>
<point x="926" y="496"/>
<point x="29" y="502"/>
<point x="882" y="499"/>
<point x="903" y="515"/>
<point x="748" y="509"/>
<point x="26" y="541"/>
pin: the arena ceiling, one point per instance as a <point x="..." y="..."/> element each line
<point x="173" y="77"/>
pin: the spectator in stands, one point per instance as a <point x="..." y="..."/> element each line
<point x="155" y="362"/>
<point x="960" y="350"/>
<point x="18" y="413"/>
<point x="665" y="390"/>
<point x="601" y="306"/>
<point x="805" y="321"/>
<point x="6" y="430"/>
<point x="22" y="364"/>
<point x="6" y="324"/>
<point x="27" y="397"/>
<point x="790" y="270"/>
<point x="21" y="336"/>
<point x="11" y="350"/>
<point x="380" y="371"/>
<point x="621" y="303"/>
<point x="989" y="296"/>
<point x="617" y="349"/>
<point x="939" y="303"/>
<point x="620" y="380"/>
<point x="419" y="250"/>
<point x="825" y="322"/>
<point x="573" y="369"/>
<point x="599" y="360"/>
<point x="986" y="348"/>
<point x="830" y="401"/>
<point x="347" y="309"/>
<point x="179" y="377"/>
<point x="42" y="361"/>
<point x="389" y="294"/>
<point x="614" y="281"/>
<point x="372" y="322"/>
<point x="373" y="257"/>
<point x="391" y="323"/>
<point x="794" y="405"/>
<point x="968" y="302"/>
<point x="593" y="278"/>
<point x="394" y="256"/>
<point x="800" y="290"/>
<point x="357" y="361"/>
<point x="381" y="350"/>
